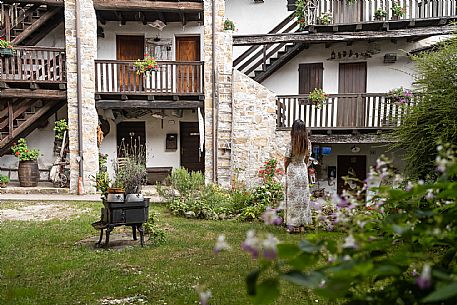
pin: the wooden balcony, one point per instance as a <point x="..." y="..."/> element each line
<point x="33" y="72"/>
<point x="367" y="112"/>
<point x="117" y="80"/>
<point x="364" y="11"/>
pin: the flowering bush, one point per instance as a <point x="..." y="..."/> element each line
<point x="402" y="250"/>
<point x="146" y="65"/>
<point x="400" y="95"/>
<point x="21" y="151"/>
<point x="317" y="97"/>
<point x="5" y="44"/>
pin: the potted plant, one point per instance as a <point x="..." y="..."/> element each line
<point x="146" y="65"/>
<point x="6" y="48"/>
<point x="325" y="18"/>
<point x="380" y="14"/>
<point x="28" y="172"/>
<point x="229" y="25"/>
<point x="397" y="11"/>
<point x="4" y="180"/>
<point x="317" y="97"/>
<point x="400" y="95"/>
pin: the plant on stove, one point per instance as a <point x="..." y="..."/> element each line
<point x="146" y="65"/>
<point x="130" y="169"/>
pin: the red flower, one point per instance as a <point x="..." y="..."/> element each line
<point x="146" y="54"/>
<point x="17" y="153"/>
<point x="26" y="150"/>
<point x="10" y="47"/>
<point x="1" y="38"/>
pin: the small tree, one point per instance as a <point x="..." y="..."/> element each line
<point x="433" y="119"/>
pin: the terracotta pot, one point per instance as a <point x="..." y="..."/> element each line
<point x="115" y="190"/>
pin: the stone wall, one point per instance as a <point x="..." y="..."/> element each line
<point x="88" y="38"/>
<point x="253" y="127"/>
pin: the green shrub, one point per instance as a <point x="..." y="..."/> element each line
<point x="156" y="233"/>
<point x="4" y="179"/>
<point x="197" y="200"/>
<point x="433" y="119"/>
<point x="186" y="182"/>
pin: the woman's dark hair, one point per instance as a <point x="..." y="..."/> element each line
<point x="299" y="137"/>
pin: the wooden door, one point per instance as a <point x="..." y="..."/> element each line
<point x="188" y="76"/>
<point x="352" y="80"/>
<point x="191" y="159"/>
<point x="350" y="166"/>
<point x="129" y="48"/>
<point x="131" y="136"/>
<point x="310" y="77"/>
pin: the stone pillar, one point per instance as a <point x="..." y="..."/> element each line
<point x="224" y="127"/>
<point x="208" y="51"/>
<point x="88" y="38"/>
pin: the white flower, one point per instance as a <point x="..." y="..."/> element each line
<point x="349" y="242"/>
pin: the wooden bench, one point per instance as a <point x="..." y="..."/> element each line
<point x="157" y="174"/>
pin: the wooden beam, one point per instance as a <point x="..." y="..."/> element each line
<point x="120" y="17"/>
<point x="141" y="5"/>
<point x="242" y="40"/>
<point x="34" y="94"/>
<point x="45" y="2"/>
<point x="108" y="104"/>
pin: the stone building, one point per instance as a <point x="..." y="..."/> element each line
<point x="218" y="102"/>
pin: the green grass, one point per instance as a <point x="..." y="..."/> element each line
<point x="43" y="263"/>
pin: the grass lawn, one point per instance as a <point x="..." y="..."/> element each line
<point x="44" y="263"/>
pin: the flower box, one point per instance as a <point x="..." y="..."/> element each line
<point x="6" y="52"/>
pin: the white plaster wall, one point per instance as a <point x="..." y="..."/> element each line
<point x="255" y="18"/>
<point x="55" y="38"/>
<point x="107" y="45"/>
<point x="41" y="139"/>
<point x="156" y="154"/>
<point x="381" y="77"/>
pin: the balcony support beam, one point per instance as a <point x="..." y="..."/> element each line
<point x="243" y="40"/>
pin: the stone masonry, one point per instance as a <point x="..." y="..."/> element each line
<point x="253" y="127"/>
<point x="88" y="38"/>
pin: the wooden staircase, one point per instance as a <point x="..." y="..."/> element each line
<point x="260" y="61"/>
<point x="27" y="23"/>
<point x="19" y="117"/>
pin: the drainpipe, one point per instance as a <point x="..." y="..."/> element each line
<point x="79" y="99"/>
<point x="214" y="95"/>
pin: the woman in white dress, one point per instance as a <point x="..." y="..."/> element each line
<point x="297" y="212"/>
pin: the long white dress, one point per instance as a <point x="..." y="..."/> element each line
<point x="298" y="211"/>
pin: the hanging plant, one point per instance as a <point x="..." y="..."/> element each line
<point x="146" y="65"/>
<point x="317" y="97"/>
<point x="6" y="48"/>
<point x="400" y="95"/>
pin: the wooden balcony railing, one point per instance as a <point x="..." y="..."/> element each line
<point x="34" y="64"/>
<point x="171" y="78"/>
<point x="343" y="12"/>
<point x="342" y="111"/>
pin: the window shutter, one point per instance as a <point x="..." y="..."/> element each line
<point x="310" y="76"/>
